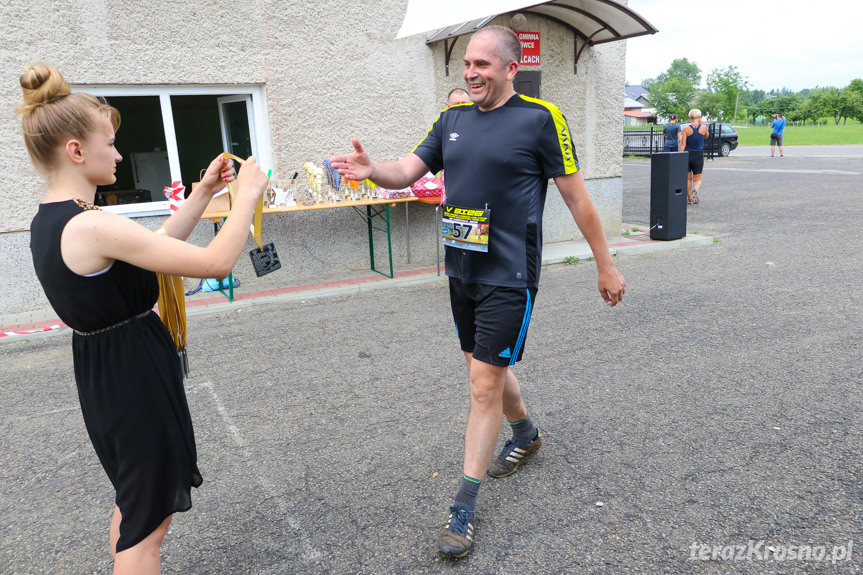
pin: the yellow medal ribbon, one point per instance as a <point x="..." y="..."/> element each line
<point x="259" y="207"/>
<point x="172" y="309"/>
<point x="172" y="293"/>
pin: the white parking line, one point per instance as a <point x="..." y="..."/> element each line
<point x="308" y="552"/>
<point x="47" y="413"/>
<point x="769" y="170"/>
<point x="777" y="171"/>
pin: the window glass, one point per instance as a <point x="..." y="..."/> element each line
<point x="141" y="142"/>
<point x="172" y="133"/>
<point x="199" y="136"/>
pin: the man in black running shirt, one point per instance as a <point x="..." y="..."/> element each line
<point x="499" y="153"/>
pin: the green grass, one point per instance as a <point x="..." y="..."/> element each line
<point x="825" y="135"/>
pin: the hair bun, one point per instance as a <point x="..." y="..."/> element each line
<point x="41" y="84"/>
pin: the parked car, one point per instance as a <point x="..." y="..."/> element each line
<point x="727" y="138"/>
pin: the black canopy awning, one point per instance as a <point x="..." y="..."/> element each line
<point x="592" y="21"/>
<point x="597" y="21"/>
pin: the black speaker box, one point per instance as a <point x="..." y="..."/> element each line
<point x="668" y="195"/>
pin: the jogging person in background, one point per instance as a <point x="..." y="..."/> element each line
<point x="778" y="126"/>
<point x="499" y="153"/>
<point x="692" y="141"/>
<point x="672" y="134"/>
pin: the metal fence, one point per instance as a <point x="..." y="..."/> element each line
<point x="648" y="142"/>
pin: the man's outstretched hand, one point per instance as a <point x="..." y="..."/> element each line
<point x="356" y="166"/>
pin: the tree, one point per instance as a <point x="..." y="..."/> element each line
<point x="672" y="91"/>
<point x="727" y="83"/>
<point x="815" y="106"/>
<point x="856" y="86"/>
<point x="807" y="110"/>
<point x="709" y="103"/>
<point x="785" y="104"/>
<point x="839" y="104"/>
<point x="850" y="104"/>
<point x="756" y="96"/>
<point x="750" y="101"/>
<point x="765" y="108"/>
<point x="672" y="96"/>
<point x="685" y="69"/>
<point x="647" y="83"/>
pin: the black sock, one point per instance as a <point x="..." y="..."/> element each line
<point x="467" y="492"/>
<point x="523" y="431"/>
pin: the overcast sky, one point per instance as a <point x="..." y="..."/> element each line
<point x="794" y="45"/>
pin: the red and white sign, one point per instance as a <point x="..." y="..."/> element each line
<point x="31" y="331"/>
<point x="175" y="195"/>
<point x="529" y="48"/>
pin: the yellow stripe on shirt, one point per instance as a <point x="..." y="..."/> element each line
<point x="427" y="133"/>
<point x="567" y="148"/>
<point x="436" y="120"/>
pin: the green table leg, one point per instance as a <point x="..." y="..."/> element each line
<point x="389" y="240"/>
<point x="371" y="237"/>
<point x="230" y="295"/>
<point x="383" y="215"/>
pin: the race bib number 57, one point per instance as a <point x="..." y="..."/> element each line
<point x="466" y="228"/>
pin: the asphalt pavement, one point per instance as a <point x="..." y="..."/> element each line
<point x="710" y="423"/>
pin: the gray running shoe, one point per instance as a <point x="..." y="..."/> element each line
<point x="512" y="455"/>
<point x="457" y="536"/>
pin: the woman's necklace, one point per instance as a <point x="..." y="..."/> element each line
<point x="86" y="205"/>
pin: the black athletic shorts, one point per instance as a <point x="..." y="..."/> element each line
<point x="491" y="321"/>
<point x="775" y="139"/>
<point x="696" y="162"/>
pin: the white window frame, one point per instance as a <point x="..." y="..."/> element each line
<point x="224" y="124"/>
<point x="260" y="128"/>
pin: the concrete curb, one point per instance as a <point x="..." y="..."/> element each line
<point x="690" y="241"/>
<point x="316" y="293"/>
<point x="42" y="323"/>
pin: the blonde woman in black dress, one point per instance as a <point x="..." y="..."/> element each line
<point x="97" y="270"/>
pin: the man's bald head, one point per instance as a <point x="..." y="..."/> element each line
<point x="508" y="46"/>
<point x="457" y="96"/>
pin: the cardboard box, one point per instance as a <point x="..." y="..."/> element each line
<point x="220" y="203"/>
